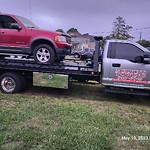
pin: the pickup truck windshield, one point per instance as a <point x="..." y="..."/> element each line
<point x="26" y="22"/>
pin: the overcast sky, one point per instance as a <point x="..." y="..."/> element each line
<point x="88" y="16"/>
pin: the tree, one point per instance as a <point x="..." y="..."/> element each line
<point x="144" y="43"/>
<point x="104" y="39"/>
<point x="60" y="30"/>
<point x="120" y="29"/>
<point x="72" y="30"/>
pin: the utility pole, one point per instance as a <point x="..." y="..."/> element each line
<point x="140" y="36"/>
<point x="30" y="10"/>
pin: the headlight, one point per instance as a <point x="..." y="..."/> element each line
<point x="60" y="39"/>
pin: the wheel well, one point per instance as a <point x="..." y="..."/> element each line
<point x="42" y="41"/>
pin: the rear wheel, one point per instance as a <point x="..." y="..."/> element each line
<point x="10" y="83"/>
<point x="43" y="53"/>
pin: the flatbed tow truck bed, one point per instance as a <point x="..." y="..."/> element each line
<point x="17" y="73"/>
<point x="24" y="69"/>
<point x="65" y="67"/>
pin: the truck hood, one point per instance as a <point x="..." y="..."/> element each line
<point x="44" y="32"/>
<point x="49" y="34"/>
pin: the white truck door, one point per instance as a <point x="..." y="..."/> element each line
<point x="125" y="70"/>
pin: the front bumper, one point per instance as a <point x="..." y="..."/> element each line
<point x="63" y="52"/>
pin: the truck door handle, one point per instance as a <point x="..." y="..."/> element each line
<point x="2" y="32"/>
<point x="116" y="65"/>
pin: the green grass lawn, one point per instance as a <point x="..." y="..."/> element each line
<point x="81" y="118"/>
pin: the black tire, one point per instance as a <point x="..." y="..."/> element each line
<point x="43" y="53"/>
<point x="10" y="83"/>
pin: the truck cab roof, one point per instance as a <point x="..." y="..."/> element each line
<point x="128" y="42"/>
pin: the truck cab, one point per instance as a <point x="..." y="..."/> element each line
<point x="125" y="64"/>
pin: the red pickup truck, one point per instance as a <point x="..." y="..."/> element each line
<point x="18" y="35"/>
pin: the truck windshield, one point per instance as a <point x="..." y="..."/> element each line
<point x="26" y="22"/>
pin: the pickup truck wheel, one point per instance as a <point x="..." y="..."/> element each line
<point x="43" y="53"/>
<point x="10" y="83"/>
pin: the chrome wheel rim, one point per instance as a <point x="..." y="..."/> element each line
<point x="8" y="84"/>
<point x="43" y="55"/>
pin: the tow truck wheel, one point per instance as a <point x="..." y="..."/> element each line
<point x="43" y="53"/>
<point x="10" y="83"/>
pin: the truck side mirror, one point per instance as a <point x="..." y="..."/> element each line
<point x="15" y="26"/>
<point x="139" y="59"/>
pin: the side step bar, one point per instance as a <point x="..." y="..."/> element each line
<point x="125" y="91"/>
